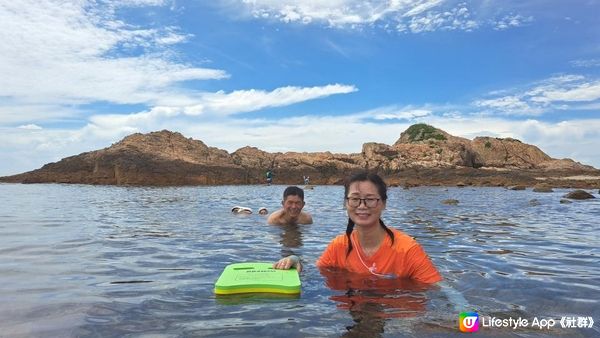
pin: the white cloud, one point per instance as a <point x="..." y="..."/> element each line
<point x="509" y="105"/>
<point x="335" y="13"/>
<point x="130" y="3"/>
<point x="73" y="52"/>
<point x="219" y="104"/>
<point x="422" y="6"/>
<point x="455" y="19"/>
<point x="587" y="63"/>
<point x="414" y="16"/>
<point x="511" y="21"/>
<point x="395" y="113"/>
<point x="13" y="113"/>
<point x="251" y="100"/>
<point x="563" y="92"/>
<point x="562" y="79"/>
<point x="137" y="121"/>
<point x="582" y="92"/>
<point x="30" y="127"/>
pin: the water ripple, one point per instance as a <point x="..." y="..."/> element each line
<point x="143" y="261"/>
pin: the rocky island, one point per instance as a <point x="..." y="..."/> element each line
<point x="423" y="155"/>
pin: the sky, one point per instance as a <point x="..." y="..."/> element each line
<point x="280" y="75"/>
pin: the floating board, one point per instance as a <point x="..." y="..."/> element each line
<point x="255" y="298"/>
<point x="257" y="277"/>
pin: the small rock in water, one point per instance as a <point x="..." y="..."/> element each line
<point x="450" y="202"/>
<point x="534" y="202"/>
<point x="564" y="201"/>
<point x="518" y="187"/>
<point x="542" y="188"/>
<point x="579" y="195"/>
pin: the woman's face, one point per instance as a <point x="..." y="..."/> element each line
<point x="364" y="204"/>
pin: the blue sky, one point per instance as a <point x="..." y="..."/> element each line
<point x="284" y="75"/>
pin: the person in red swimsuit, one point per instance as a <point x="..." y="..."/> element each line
<point x="369" y="246"/>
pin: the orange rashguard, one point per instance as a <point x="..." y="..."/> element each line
<point x="405" y="258"/>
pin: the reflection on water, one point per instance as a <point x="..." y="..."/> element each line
<point x="118" y="261"/>
<point x="291" y="238"/>
<point x="394" y="297"/>
<point x="371" y="300"/>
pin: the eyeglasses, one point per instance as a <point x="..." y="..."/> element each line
<point x="354" y="202"/>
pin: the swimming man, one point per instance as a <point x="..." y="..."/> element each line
<point x="291" y="212"/>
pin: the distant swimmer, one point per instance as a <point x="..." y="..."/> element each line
<point x="291" y="212"/>
<point x="241" y="210"/>
<point x="263" y="211"/>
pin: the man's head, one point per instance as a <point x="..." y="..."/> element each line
<point x="293" y="191"/>
<point x="293" y="201"/>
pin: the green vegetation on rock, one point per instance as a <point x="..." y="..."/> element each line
<point x="422" y="132"/>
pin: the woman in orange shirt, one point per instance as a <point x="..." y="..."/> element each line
<point x="369" y="246"/>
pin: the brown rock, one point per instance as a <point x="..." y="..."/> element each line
<point x="542" y="188"/>
<point x="431" y="147"/>
<point x="579" y="195"/>
<point x="562" y="165"/>
<point x="508" y="153"/>
<point x="518" y="187"/>
<point x="450" y="202"/>
<point x="423" y="155"/>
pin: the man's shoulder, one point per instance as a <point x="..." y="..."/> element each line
<point x="275" y="217"/>
<point x="305" y="218"/>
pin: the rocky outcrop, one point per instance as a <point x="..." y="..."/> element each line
<point x="508" y="153"/>
<point x="426" y="146"/>
<point x="579" y="195"/>
<point x="423" y="155"/>
<point x="450" y="202"/>
<point x="542" y="188"/>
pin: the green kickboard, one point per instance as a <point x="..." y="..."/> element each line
<point x="256" y="277"/>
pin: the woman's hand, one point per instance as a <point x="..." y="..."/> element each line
<point x="288" y="262"/>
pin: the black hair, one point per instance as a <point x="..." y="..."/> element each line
<point x="293" y="191"/>
<point x="381" y="189"/>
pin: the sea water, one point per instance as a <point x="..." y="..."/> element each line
<point x="105" y="261"/>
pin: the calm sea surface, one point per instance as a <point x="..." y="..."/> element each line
<point x="103" y="261"/>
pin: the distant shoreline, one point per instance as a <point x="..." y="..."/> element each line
<point x="422" y="156"/>
<point x="575" y="178"/>
<point x="407" y="178"/>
